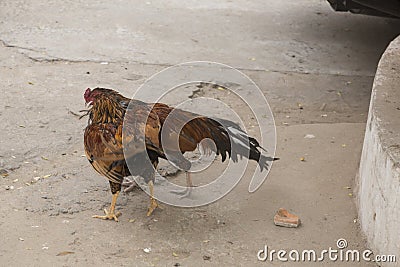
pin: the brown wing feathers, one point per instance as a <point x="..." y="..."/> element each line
<point x="103" y="151"/>
<point x="195" y="129"/>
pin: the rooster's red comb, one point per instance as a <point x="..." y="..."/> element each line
<point x="87" y="93"/>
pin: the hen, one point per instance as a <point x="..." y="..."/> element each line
<point x="143" y="124"/>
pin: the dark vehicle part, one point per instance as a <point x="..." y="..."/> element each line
<point x="381" y="8"/>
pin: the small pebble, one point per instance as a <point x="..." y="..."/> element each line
<point x="3" y="172"/>
<point x="206" y="258"/>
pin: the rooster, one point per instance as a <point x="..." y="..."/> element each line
<point x="104" y="145"/>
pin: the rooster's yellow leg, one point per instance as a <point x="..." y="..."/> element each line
<point x="189" y="182"/>
<point x="110" y="215"/>
<point x="188" y="190"/>
<point x="153" y="202"/>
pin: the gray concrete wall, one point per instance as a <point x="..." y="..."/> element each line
<point x="379" y="175"/>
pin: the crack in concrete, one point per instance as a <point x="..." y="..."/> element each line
<point x="58" y="59"/>
<point x="5" y="44"/>
<point x="52" y="59"/>
<point x="47" y="58"/>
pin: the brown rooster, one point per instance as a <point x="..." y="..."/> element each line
<point x="104" y="145"/>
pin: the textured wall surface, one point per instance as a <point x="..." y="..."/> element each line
<point x="379" y="176"/>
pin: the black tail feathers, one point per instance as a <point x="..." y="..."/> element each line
<point x="244" y="145"/>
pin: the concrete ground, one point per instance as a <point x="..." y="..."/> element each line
<point x="298" y="52"/>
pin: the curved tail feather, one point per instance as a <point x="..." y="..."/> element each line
<point x="237" y="143"/>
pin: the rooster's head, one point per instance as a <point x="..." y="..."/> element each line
<point x="89" y="96"/>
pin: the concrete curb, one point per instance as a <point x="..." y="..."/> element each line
<point x="378" y="181"/>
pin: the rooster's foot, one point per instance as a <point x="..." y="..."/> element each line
<point x="108" y="216"/>
<point x="153" y="206"/>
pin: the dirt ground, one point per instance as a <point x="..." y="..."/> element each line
<point x="314" y="66"/>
